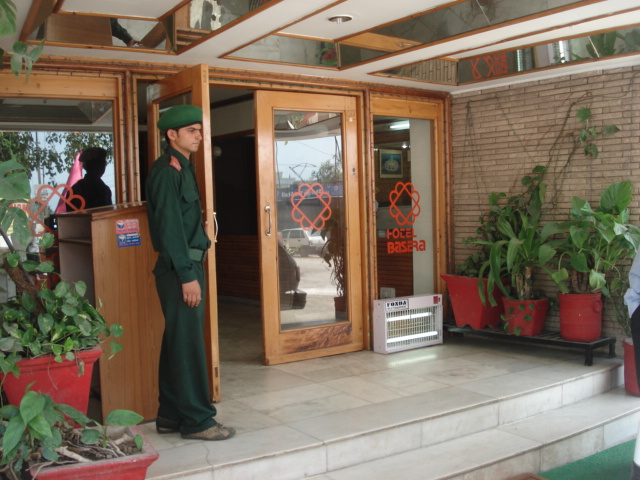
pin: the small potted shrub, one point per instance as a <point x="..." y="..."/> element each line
<point x="54" y="441"/>
<point x="523" y="248"/>
<point x="596" y="240"/>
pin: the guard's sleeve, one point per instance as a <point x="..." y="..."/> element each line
<point x="166" y="215"/>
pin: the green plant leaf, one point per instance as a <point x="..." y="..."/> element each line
<point x="609" y="130"/>
<point x="123" y="418"/>
<point x="90" y="436"/>
<point x="13" y="259"/>
<point x="597" y="279"/>
<point x="7" y="18"/>
<point x="46" y="266"/>
<point x="28" y="302"/>
<point x="75" y="415"/>
<point x="116" y="330"/>
<point x="31" y="406"/>
<point x="81" y="288"/>
<point x="39" y="427"/>
<point x="139" y="441"/>
<point x="47" y="240"/>
<point x="12" y="435"/>
<point x="584" y="114"/>
<point x="616" y="197"/>
<point x="579" y="262"/>
<point x="590" y="150"/>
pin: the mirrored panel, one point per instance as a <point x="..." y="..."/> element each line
<point x="442" y="23"/>
<point x="195" y="21"/>
<point x="438" y="70"/>
<point x="591" y="47"/>
<point x="292" y="50"/>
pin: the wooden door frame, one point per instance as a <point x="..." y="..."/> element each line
<point x="425" y="109"/>
<point x="196" y="81"/>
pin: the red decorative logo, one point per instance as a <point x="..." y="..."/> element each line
<point x="394" y="209"/>
<point x="57" y="192"/>
<point x="306" y="191"/>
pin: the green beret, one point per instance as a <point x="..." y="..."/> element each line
<point x="180" y="116"/>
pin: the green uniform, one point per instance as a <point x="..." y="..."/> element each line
<point x="177" y="233"/>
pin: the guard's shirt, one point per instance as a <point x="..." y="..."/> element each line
<point x="174" y="212"/>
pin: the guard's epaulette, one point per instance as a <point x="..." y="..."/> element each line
<point x="175" y="163"/>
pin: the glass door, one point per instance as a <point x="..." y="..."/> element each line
<point x="191" y="86"/>
<point x="309" y="225"/>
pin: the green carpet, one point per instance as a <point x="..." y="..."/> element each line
<point x="616" y="463"/>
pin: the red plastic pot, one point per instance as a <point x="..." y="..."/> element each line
<point x="580" y="316"/>
<point x="58" y="380"/>
<point x="527" y="317"/>
<point x="466" y="304"/>
<point x="630" y="377"/>
<point x="131" y="467"/>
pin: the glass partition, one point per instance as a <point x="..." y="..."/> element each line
<point x="404" y="218"/>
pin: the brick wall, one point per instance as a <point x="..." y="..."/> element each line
<point x="500" y="134"/>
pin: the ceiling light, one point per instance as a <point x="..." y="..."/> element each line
<point x="340" y="18"/>
<point x="399" y="126"/>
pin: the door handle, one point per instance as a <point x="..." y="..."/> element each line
<point x="268" y="210"/>
<point x="215" y="227"/>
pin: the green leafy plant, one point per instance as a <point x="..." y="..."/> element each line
<point x="596" y="240"/>
<point x="522" y="247"/>
<point x="40" y="433"/>
<point x="40" y="320"/>
<point x="23" y="55"/>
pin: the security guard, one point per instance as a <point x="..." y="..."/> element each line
<point x="177" y="233"/>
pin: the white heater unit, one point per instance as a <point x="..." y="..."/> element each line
<point x="404" y="323"/>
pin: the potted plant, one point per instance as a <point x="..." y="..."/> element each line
<point x="333" y="253"/>
<point x="595" y="242"/>
<point x="462" y="286"/>
<point x="522" y="249"/>
<point x="623" y="318"/>
<point x="54" y="441"/>
<point x="42" y="327"/>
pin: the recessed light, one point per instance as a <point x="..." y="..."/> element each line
<point x="340" y="18"/>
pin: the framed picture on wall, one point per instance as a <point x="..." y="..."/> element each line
<point x="390" y="163"/>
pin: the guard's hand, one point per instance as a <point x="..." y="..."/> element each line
<point x="191" y="293"/>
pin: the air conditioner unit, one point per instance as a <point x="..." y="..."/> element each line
<point x="404" y="323"/>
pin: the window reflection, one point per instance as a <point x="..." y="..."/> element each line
<point x="193" y="22"/>
<point x="439" y="24"/>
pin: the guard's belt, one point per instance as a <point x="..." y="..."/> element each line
<point x="197" y="255"/>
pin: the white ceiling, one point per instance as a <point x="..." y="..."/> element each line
<point x="308" y="19"/>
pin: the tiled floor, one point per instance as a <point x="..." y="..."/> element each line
<point x="299" y="406"/>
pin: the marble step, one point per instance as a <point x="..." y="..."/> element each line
<point x="534" y="444"/>
<point x="436" y="423"/>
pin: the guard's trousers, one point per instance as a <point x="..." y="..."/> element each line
<point x="183" y="380"/>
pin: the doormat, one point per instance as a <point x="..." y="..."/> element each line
<point x="615" y="463"/>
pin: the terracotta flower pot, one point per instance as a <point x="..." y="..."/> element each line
<point x="630" y="377"/>
<point x="467" y="306"/>
<point x="59" y="380"/>
<point x="580" y="316"/>
<point x="525" y="317"/>
<point x="131" y="467"/>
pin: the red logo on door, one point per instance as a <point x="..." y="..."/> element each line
<point x="394" y="209"/>
<point x="307" y="192"/>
